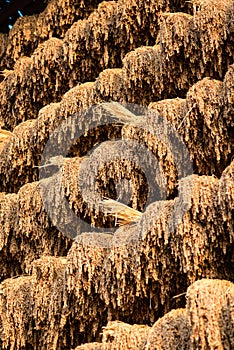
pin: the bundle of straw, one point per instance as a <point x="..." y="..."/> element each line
<point x="5" y="72"/>
<point x="119" y="112"/>
<point x="5" y="134"/>
<point x="123" y="214"/>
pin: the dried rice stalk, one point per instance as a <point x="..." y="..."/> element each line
<point x="119" y="112"/>
<point x="5" y="72"/>
<point x="123" y="214"/>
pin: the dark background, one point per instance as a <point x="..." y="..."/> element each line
<point x="9" y="11"/>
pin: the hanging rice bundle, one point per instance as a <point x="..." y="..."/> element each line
<point x="22" y="39"/>
<point x="12" y="88"/>
<point x="211" y="23"/>
<point x="169" y="69"/>
<point x="186" y="118"/>
<point x="60" y="15"/>
<point x="21" y="293"/>
<point x="141" y="69"/>
<point x="26" y="232"/>
<point x="152" y="268"/>
<point x="29" y="31"/>
<point x="196" y="44"/>
<point x="210" y="313"/>
<point x="161" y="150"/>
<point x="205" y="121"/>
<point x="171" y="260"/>
<point x="7" y="213"/>
<point x="172" y="331"/>
<point x="75" y="58"/>
<point x="14" y="294"/>
<point x="179" y="54"/>
<point x="17" y="156"/>
<point x="119" y="335"/>
<point x="97" y="209"/>
<point x="117" y="252"/>
<point x="88" y="42"/>
<point x="24" y="149"/>
<point x="109" y="85"/>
